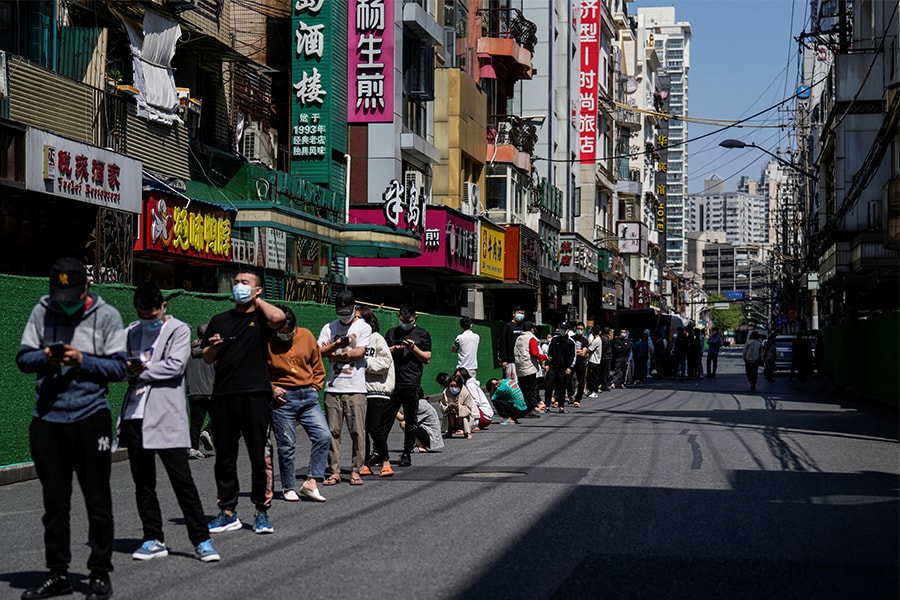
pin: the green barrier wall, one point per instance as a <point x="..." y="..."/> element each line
<point x="20" y="294"/>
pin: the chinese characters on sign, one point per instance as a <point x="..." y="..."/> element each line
<point x="371" y="62"/>
<point x="198" y="230"/>
<point x="396" y="203"/>
<point x="82" y="172"/>
<point x="491" y="263"/>
<point x="589" y="38"/>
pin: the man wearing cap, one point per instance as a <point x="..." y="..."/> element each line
<point x="343" y="342"/>
<point x="75" y="343"/>
<point x="236" y="342"/>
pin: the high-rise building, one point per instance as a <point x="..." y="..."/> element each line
<point x="742" y="216"/>
<point x="672" y="40"/>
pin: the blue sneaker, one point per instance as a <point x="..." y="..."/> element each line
<point x="224" y="522"/>
<point x="205" y="552"/>
<point x="261" y="523"/>
<point x="149" y="550"/>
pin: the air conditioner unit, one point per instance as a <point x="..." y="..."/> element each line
<point x="413" y="180"/>
<point x="471" y="201"/>
<point x="259" y="145"/>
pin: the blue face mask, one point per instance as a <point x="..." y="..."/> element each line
<point x="242" y="293"/>
<point x="453" y="390"/>
<point x="407" y="326"/>
<point x="152" y="325"/>
<point x="520" y="317"/>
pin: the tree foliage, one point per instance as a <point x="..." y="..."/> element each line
<point x="729" y="318"/>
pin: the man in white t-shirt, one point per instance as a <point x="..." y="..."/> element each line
<point x="343" y="342"/>
<point x="466" y="347"/>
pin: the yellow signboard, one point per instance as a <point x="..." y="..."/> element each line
<point x="490" y="263"/>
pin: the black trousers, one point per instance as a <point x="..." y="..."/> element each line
<point x="83" y="446"/>
<point x="712" y="363"/>
<point x="143" y="472"/>
<point x="374" y="437"/>
<point x="605" y="371"/>
<point x="593" y="377"/>
<point x="408" y="398"/>
<point x="579" y="374"/>
<point x="200" y="406"/>
<point x="507" y="409"/>
<point x="621" y="371"/>
<point x="528" y="385"/>
<point x="560" y="386"/>
<point x="250" y="416"/>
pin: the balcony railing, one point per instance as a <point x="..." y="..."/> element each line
<point x="510" y="130"/>
<point x="508" y="23"/>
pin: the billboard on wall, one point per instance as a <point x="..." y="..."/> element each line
<point x="370" y="89"/>
<point x="490" y="263"/>
<point x="588" y="74"/>
<point x="450" y="241"/>
<point x="172" y="225"/>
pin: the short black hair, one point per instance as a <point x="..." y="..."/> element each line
<point x="443" y="379"/>
<point x="290" y="319"/>
<point x="527" y="325"/>
<point x="464" y="373"/>
<point x="252" y="271"/>
<point x="407" y="310"/>
<point x="465" y="323"/>
<point x="518" y="309"/>
<point x="147" y="296"/>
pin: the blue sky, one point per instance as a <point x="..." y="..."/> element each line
<point x="743" y="59"/>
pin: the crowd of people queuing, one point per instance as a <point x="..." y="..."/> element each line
<point x="257" y="374"/>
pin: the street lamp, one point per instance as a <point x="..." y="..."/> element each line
<point x="787" y="163"/>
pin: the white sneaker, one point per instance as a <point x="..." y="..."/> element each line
<point x="593" y="395"/>
<point x="206" y="440"/>
<point x="290" y="496"/>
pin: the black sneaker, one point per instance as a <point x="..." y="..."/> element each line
<point x="54" y="584"/>
<point x="405" y="460"/>
<point x="99" y="588"/>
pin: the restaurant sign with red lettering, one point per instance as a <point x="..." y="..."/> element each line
<point x="63" y="167"/>
<point x="198" y="230"/>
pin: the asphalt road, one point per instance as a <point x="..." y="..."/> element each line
<point x="675" y="489"/>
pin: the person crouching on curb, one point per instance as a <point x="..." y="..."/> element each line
<point x="459" y="408"/>
<point x="428" y="428"/>
<point x="297" y="374"/>
<point x="154" y="422"/>
<point x="508" y="400"/>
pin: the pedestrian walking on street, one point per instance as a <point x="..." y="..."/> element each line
<point x="752" y="358"/>
<point x="622" y="348"/>
<point x="410" y="347"/>
<point x="641" y="355"/>
<point x="343" y="342"/>
<point x="528" y="358"/>
<point x="714" y="343"/>
<point x="595" y="362"/>
<point x="236" y="342"/>
<point x="579" y="373"/>
<point x="465" y="346"/>
<point x="74" y="343"/>
<point x="561" y="359"/>
<point x="379" y="387"/>
<point x="297" y="375"/>
<point x="198" y="380"/>
<point x="154" y="422"/>
<point x="506" y="348"/>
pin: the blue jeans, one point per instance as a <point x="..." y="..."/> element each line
<point x="301" y="406"/>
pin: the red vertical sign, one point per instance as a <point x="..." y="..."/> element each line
<point x="589" y="38"/>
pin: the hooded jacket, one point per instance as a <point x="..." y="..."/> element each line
<point x="69" y="394"/>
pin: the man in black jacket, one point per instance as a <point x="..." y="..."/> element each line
<point x="562" y="362"/>
<point x="621" y="351"/>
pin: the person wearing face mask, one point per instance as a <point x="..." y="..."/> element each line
<point x="74" y="343"/>
<point x="622" y="347"/>
<point x="410" y="346"/>
<point x="343" y="342"/>
<point x="459" y="408"/>
<point x="506" y="351"/>
<point x="297" y="373"/>
<point x="236" y="342"/>
<point x="154" y="422"/>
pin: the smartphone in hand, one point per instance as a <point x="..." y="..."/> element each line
<point x="58" y="348"/>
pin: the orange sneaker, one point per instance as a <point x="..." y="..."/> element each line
<point x="386" y="470"/>
<point x="365" y="470"/>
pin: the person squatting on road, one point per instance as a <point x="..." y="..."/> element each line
<point x="458" y="405"/>
<point x="297" y="375"/>
<point x="410" y="347"/>
<point x="237" y="343"/>
<point x="508" y="399"/>
<point x="379" y="387"/>
<point x="343" y="342"/>
<point x="154" y="422"/>
<point x="74" y="343"/>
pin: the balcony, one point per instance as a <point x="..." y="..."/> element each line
<point x="628" y="119"/>
<point x="506" y="44"/>
<point x="869" y="254"/>
<point x="835" y="262"/>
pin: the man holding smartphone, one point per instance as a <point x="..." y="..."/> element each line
<point x="237" y="342"/>
<point x="75" y="343"/>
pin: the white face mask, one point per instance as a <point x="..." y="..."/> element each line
<point x="286" y="336"/>
<point x="346" y="319"/>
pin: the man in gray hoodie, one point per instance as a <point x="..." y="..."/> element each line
<point x="75" y="344"/>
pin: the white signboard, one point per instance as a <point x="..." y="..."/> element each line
<point x="63" y="167"/>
